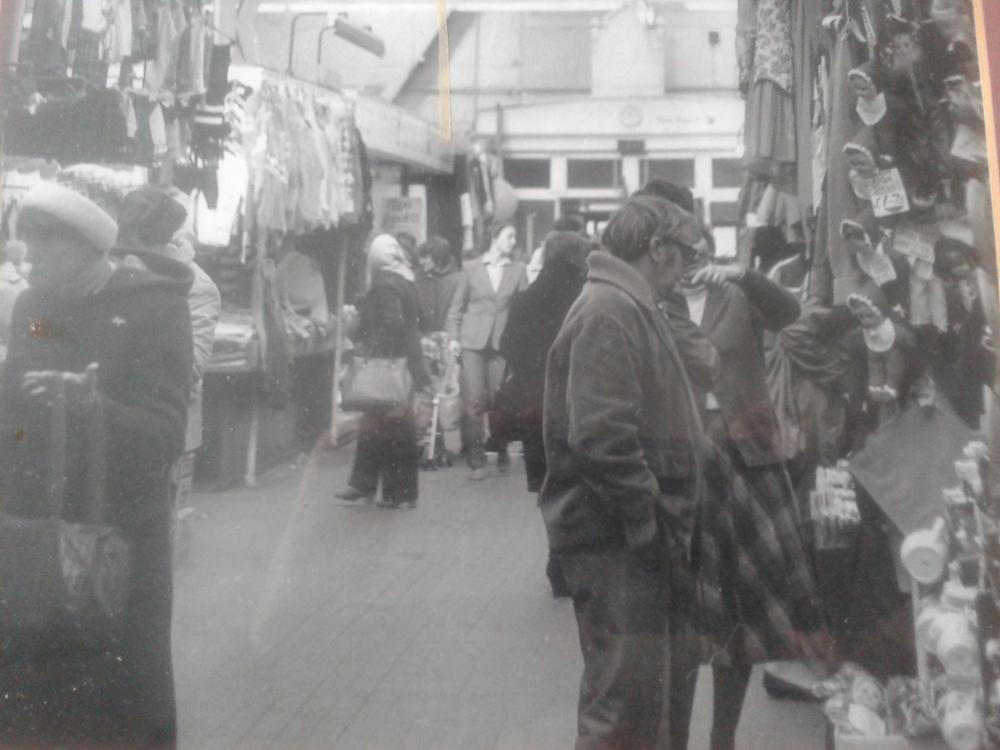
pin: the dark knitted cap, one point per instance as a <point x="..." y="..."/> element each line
<point x="148" y="217"/>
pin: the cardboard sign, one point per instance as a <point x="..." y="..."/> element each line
<point x="915" y="243"/>
<point x="405" y="215"/>
<point x="889" y="193"/>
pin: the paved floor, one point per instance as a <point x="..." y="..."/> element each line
<point x="304" y="623"/>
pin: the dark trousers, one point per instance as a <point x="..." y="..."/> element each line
<point x="482" y="371"/>
<point x="729" y="689"/>
<point x="534" y="458"/>
<point x="621" y="614"/>
<point x="387" y="451"/>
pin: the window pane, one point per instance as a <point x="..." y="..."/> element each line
<point x="678" y="171"/>
<point x="593" y="173"/>
<point x="724" y="214"/>
<point x="527" y="173"/>
<point x="727" y="173"/>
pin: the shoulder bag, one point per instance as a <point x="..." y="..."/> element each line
<point x="64" y="585"/>
<point x="376" y="383"/>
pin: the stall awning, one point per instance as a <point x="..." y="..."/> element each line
<point x="393" y="134"/>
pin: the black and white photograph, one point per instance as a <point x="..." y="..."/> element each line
<point x="499" y="375"/>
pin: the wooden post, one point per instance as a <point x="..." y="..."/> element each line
<point x="987" y="17"/>
<point x="11" y="18"/>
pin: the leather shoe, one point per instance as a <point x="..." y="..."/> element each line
<point x="351" y="494"/>
<point x="477" y="475"/>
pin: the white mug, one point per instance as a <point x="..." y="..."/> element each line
<point x="956" y="646"/>
<point x="925" y="553"/>
<point x="961" y="720"/>
<point x="930" y="610"/>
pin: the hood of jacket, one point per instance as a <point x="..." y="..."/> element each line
<point x="142" y="270"/>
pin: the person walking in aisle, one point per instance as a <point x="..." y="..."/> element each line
<point x="476" y="321"/>
<point x="734" y="306"/>
<point x="436" y="286"/>
<point x="387" y="441"/>
<point x="117" y="341"/>
<point x="536" y="315"/>
<point x="622" y="443"/>
<point x="148" y="223"/>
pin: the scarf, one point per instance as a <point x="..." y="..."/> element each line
<point x="88" y="282"/>
<point x="385" y="254"/>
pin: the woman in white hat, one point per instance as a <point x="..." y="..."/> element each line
<point x="117" y="340"/>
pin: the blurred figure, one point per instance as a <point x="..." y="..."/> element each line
<point x="12" y="283"/>
<point x="734" y="306"/>
<point x="131" y="328"/>
<point x="387" y="441"/>
<point x="669" y="191"/>
<point x="776" y="258"/>
<point x="149" y="221"/>
<point x="436" y="286"/>
<point x="476" y="321"/>
<point x="967" y="361"/>
<point x="569" y="223"/>
<point x="536" y="315"/>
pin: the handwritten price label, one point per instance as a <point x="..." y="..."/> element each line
<point x="915" y="243"/>
<point x="889" y="193"/>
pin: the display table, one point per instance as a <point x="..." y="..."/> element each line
<point x="778" y="724"/>
<point x="241" y="435"/>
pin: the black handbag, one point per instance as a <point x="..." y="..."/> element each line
<point x="376" y="383"/>
<point x="64" y="585"/>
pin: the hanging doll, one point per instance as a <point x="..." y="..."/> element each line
<point x="866" y="159"/>
<point x="862" y="238"/>
<point x="867" y="87"/>
<point x="914" y="103"/>
<point x="886" y="341"/>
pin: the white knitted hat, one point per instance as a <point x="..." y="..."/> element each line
<point x="68" y="207"/>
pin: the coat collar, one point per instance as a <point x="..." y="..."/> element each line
<point x="611" y="270"/>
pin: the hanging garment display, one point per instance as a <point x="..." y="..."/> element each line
<point x="308" y="163"/>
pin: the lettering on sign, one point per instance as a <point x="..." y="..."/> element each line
<point x="405" y="215"/>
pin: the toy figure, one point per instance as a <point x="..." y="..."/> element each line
<point x="885" y="341"/>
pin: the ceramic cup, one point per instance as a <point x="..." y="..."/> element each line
<point x="925" y="553"/>
<point x="929" y="612"/>
<point x="956" y="646"/>
<point x="961" y="720"/>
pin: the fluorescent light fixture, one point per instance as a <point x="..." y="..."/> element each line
<point x="469" y="6"/>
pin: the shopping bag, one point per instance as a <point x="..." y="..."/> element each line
<point x="376" y="383"/>
<point x="64" y="585"/>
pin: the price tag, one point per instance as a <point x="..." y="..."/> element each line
<point x="915" y="243"/>
<point x="877" y="267"/>
<point x="889" y="193"/>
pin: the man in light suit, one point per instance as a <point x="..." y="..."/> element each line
<point x="476" y="321"/>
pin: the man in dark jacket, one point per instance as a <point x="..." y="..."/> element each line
<point x="621" y="441"/>
<point x="119" y="341"/>
<point x="436" y="284"/>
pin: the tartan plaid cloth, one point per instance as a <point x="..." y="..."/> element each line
<point x="751" y="593"/>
